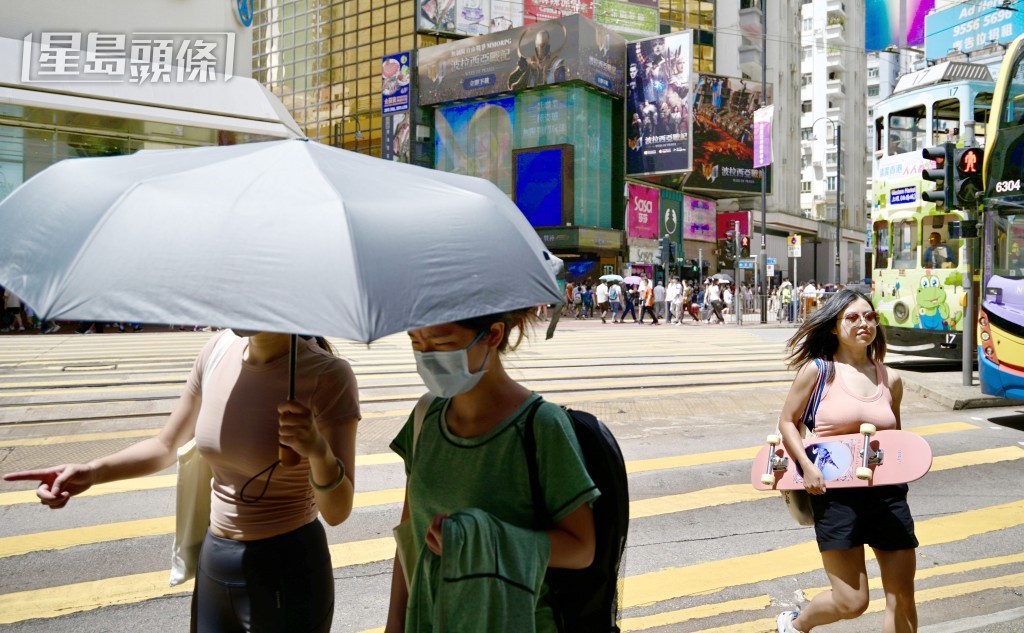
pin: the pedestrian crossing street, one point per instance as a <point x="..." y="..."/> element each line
<point x="690" y="406"/>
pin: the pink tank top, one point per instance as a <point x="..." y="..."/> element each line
<point x="842" y="411"/>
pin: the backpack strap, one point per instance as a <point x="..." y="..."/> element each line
<point x="419" y="414"/>
<point x="540" y="516"/>
<point x="220" y="348"/>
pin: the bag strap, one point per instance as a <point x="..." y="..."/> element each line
<point x="419" y="414"/>
<point x="540" y="518"/>
<point x="811" y="410"/>
<point x="227" y="337"/>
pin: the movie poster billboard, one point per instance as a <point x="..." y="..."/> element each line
<point x="475" y="139"/>
<point x="642" y="209"/>
<point x="658" y="137"/>
<point x="394" y="137"/>
<point x="723" y="135"/>
<point x="637" y="18"/>
<point x="571" y="48"/>
<point x="699" y="217"/>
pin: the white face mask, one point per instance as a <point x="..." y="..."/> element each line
<point x="447" y="374"/>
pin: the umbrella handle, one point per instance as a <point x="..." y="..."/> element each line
<point x="288" y="457"/>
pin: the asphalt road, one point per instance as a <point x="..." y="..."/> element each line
<point x="689" y="406"/>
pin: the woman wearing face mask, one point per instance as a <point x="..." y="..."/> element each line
<point x="469" y="455"/>
<point x="264" y="564"/>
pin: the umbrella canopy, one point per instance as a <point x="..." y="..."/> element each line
<point x="283" y="236"/>
<point x="610" y="278"/>
<point x="722" y="277"/>
<point x="632" y="280"/>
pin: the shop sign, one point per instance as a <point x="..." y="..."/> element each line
<point x="139" y="58"/>
<point x="559" y="238"/>
<point x="723" y="136"/>
<point x="572" y="48"/>
<point x="395" y="74"/>
<point x="699" y="217"/>
<point x="642" y="209"/>
<point x="658" y="116"/>
<point x="629" y="17"/>
<point x="602" y="239"/>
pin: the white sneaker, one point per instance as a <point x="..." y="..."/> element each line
<point x="785" y="622"/>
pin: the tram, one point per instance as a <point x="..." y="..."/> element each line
<point x="918" y="260"/>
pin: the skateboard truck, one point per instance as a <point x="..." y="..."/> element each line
<point x="775" y="462"/>
<point x="868" y="457"/>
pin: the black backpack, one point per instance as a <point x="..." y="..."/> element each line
<point x="587" y="600"/>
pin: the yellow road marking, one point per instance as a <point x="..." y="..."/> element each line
<point x="647" y="465"/>
<point x="920" y="596"/>
<point x="713" y="576"/>
<point x="721" y="495"/>
<point x="86" y="596"/>
<point x="679" y="616"/>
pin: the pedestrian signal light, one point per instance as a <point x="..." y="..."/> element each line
<point x="967" y="180"/>
<point x="942" y="175"/>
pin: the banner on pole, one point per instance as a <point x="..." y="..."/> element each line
<point x="763" y="136"/>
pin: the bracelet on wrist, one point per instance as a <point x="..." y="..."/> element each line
<point x="334" y="484"/>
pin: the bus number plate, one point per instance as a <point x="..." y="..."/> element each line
<point x="1005" y="186"/>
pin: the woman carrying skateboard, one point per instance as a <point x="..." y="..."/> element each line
<point x="859" y="388"/>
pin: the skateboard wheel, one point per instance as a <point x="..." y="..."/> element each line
<point x="867" y="429"/>
<point x="864" y="473"/>
<point x="767" y="479"/>
<point x="774" y="440"/>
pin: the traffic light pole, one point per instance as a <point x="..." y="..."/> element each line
<point x="967" y="355"/>
<point x="764" y="181"/>
<point x="839" y="199"/>
<point x="736" y="303"/>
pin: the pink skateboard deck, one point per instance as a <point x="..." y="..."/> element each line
<point x="894" y="457"/>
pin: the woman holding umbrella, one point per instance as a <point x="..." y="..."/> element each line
<point x="466" y="467"/>
<point x="264" y="564"/>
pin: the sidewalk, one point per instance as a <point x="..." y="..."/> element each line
<point x="946" y="387"/>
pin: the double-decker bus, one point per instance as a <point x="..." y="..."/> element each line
<point x="918" y="258"/>
<point x="1001" y="316"/>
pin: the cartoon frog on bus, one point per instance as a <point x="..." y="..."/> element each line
<point x="932" y="312"/>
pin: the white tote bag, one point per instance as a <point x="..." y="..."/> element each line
<point x="192" y="506"/>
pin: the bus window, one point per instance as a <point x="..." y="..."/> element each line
<point x="982" y="109"/>
<point x="941" y="252"/>
<point x="1013" y="110"/>
<point x="945" y="121"/>
<point x="1008" y="249"/>
<point x="881" y="244"/>
<point x="904" y="244"/>
<point x="879" y="135"/>
<point x="907" y="131"/>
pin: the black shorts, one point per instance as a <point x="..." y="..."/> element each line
<point x="851" y="517"/>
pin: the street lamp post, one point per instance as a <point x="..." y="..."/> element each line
<point x="837" y="128"/>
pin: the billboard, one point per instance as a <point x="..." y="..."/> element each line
<point x="658" y="117"/>
<point x="476" y="139"/>
<point x="642" y="210"/>
<point x="571" y="48"/>
<point x="482" y="17"/>
<point x="699" y="217"/>
<point x="395" y="76"/>
<point x="394" y="137"/>
<point x="968" y="27"/>
<point x="883" y="23"/>
<point x="543" y="186"/>
<point x="726" y="223"/>
<point x="723" y="136"/>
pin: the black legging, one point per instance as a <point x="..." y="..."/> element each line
<point x="276" y="585"/>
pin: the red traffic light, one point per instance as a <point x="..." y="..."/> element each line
<point x="744" y="241"/>
<point x="969" y="162"/>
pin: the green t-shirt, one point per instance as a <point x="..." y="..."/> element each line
<point x="450" y="473"/>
